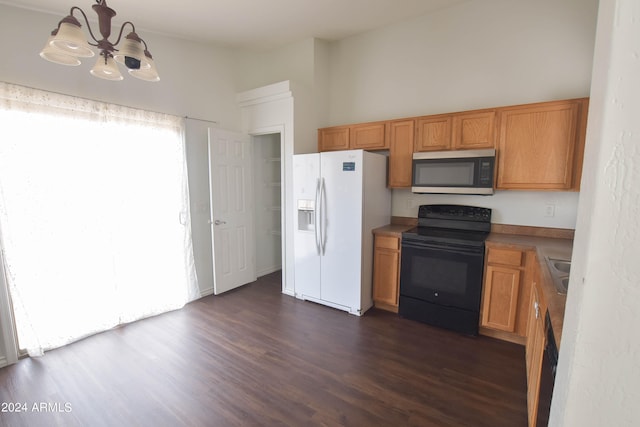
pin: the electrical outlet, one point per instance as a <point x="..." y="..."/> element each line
<point x="550" y="210"/>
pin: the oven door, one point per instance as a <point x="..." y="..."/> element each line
<point x="442" y="273"/>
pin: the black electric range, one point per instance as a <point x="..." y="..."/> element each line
<point x="442" y="266"/>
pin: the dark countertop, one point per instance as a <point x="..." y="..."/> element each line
<point x="544" y="246"/>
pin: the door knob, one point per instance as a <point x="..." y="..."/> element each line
<point x="218" y="222"/>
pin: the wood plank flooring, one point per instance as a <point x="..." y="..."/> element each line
<point x="255" y="357"/>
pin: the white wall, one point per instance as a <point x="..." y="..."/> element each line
<point x="293" y="62"/>
<point x="305" y="65"/>
<point x="598" y="379"/>
<point x="477" y="54"/>
<point x="508" y="207"/>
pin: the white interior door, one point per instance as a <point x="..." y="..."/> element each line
<point x="232" y="229"/>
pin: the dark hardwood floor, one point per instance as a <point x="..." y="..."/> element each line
<point x="254" y="356"/>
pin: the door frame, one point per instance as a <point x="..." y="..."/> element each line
<point x="269" y="109"/>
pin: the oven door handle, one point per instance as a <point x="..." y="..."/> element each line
<point x="448" y="247"/>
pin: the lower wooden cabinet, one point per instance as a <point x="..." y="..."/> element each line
<point x="536" y="341"/>
<point x="386" y="272"/>
<point x="506" y="292"/>
<point x="501" y="290"/>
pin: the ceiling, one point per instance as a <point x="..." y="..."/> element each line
<point x="250" y="24"/>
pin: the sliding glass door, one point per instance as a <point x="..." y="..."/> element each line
<point x="94" y="216"/>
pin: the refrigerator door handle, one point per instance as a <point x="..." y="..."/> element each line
<point x="316" y="219"/>
<point x="323" y="217"/>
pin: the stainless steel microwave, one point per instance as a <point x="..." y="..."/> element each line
<point x="454" y="172"/>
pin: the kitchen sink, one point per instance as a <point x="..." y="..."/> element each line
<point x="563" y="266"/>
<point x="559" y="269"/>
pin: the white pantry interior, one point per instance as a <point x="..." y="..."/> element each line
<point x="267" y="180"/>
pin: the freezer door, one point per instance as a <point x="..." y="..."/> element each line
<point x="341" y="224"/>
<point x="306" y="179"/>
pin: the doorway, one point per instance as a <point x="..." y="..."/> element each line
<point x="267" y="166"/>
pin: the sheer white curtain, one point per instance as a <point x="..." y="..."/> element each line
<point x="94" y="215"/>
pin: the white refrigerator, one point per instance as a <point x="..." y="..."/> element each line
<point x="339" y="198"/>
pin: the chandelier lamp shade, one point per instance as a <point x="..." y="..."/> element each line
<point x="67" y="44"/>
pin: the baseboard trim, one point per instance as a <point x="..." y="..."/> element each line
<point x="206" y="292"/>
<point x="268" y="270"/>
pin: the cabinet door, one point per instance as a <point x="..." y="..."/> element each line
<point x="473" y="130"/>
<point x="500" y="299"/>
<point x="539" y="342"/>
<point x="433" y="133"/>
<point x="401" y="136"/>
<point x="368" y="136"/>
<point x="386" y="262"/>
<point x="534" y="314"/>
<point x="334" y="138"/>
<point x="537" y="146"/>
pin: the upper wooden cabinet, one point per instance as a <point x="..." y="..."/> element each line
<point x="433" y="133"/>
<point x="459" y="131"/>
<point x="540" y="146"/>
<point x="334" y="138"/>
<point x="366" y="136"/>
<point x="473" y="130"/>
<point x="401" y="136"/>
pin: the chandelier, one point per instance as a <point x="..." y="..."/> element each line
<point x="67" y="43"/>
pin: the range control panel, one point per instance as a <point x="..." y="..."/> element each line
<point x="455" y="212"/>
